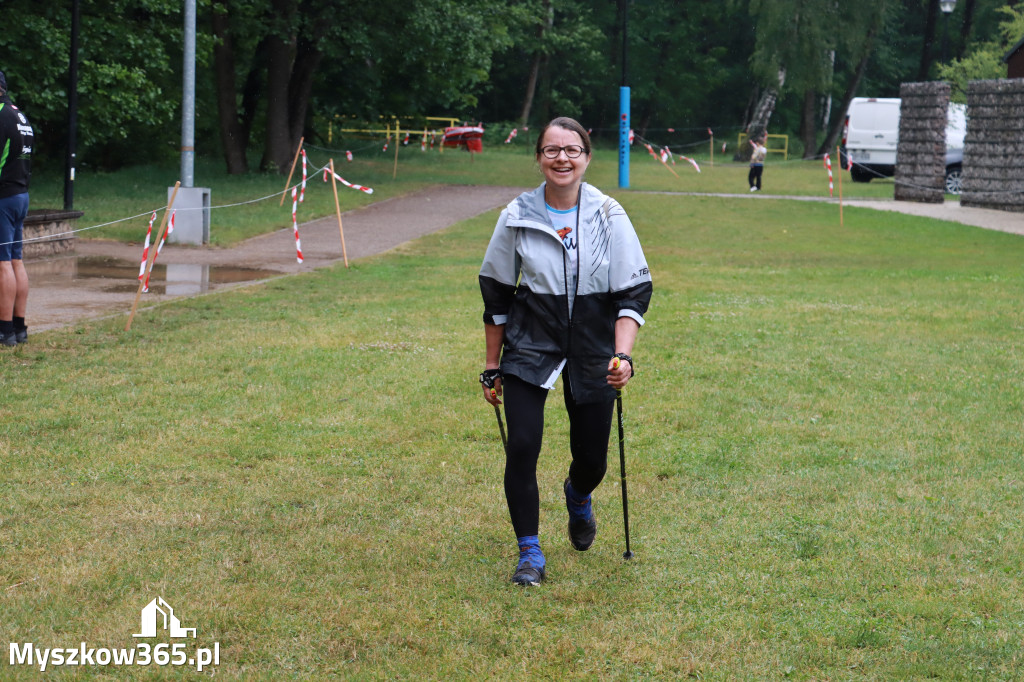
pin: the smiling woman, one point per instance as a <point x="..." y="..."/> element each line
<point x="565" y="287"/>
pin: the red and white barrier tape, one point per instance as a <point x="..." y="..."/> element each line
<point x="512" y="135"/>
<point x="302" y="194"/>
<point x="160" y="247"/>
<point x="327" y="176"/>
<point x="692" y="162"/>
<point x="348" y="156"/>
<point x="295" y="225"/>
<point x="828" y="167"/>
<point x="145" y="248"/>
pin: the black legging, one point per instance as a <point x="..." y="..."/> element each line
<point x="589" y="427"/>
<point x="754" y="176"/>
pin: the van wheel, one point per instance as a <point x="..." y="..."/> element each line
<point x="954" y="179"/>
<point x="858" y="174"/>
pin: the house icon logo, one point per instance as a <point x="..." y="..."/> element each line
<point x="158" y="611"/>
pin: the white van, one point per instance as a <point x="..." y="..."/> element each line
<point x="871" y="135"/>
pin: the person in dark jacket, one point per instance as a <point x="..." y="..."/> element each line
<point x="565" y="286"/>
<point x="16" y="139"/>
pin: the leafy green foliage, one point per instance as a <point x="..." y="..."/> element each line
<point x="690" y="64"/>
<point x="986" y="60"/>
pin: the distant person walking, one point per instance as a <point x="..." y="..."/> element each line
<point x="565" y="287"/>
<point x="757" y="161"/>
<point x="16" y="140"/>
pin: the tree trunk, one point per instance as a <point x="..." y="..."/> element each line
<point x="539" y="64"/>
<point x="759" y="120"/>
<point x="965" y="28"/>
<point x="277" y="152"/>
<point x="252" y="91"/>
<point x="809" y="123"/>
<point x="851" y="89"/>
<point x="531" y="88"/>
<point x="300" y="88"/>
<point x="929" y="39"/>
<point x="232" y="137"/>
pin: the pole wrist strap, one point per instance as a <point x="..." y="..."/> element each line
<point x="488" y="376"/>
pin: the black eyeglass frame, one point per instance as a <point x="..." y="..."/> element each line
<point x="547" y="151"/>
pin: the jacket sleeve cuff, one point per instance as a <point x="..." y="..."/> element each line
<point x="495" y="319"/>
<point x="626" y="312"/>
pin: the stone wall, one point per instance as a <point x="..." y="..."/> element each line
<point x="994" y="146"/>
<point x="921" y="152"/>
<point x="52" y="229"/>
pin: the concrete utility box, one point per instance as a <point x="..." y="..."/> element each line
<point x="192" y="220"/>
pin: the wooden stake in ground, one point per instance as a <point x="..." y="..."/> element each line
<point x="394" y="173"/>
<point x="152" y="255"/>
<point x="337" y="209"/>
<point x="838" y="156"/>
<point x="289" y="180"/>
<point x="711" y="145"/>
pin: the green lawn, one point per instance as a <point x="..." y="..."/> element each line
<point x="118" y="205"/>
<point x="824" y="446"/>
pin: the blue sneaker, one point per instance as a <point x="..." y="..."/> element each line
<point x="530" y="570"/>
<point x="582" y="522"/>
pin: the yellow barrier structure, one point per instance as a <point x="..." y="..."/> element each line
<point x="772" y="149"/>
<point x="393" y="125"/>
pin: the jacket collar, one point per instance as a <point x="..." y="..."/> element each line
<point x="529" y="209"/>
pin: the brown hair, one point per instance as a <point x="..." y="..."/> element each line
<point x="566" y="123"/>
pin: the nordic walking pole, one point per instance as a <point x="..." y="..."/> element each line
<point x="152" y="256"/>
<point x="337" y="209"/>
<point x="628" y="554"/>
<point x="294" y="161"/>
<point x="487" y="378"/>
<point x="501" y="427"/>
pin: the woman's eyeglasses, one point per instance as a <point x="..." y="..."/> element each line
<point x="572" y="151"/>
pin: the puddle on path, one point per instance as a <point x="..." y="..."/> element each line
<point x="120" y="276"/>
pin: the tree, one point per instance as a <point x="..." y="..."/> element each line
<point x="343" y="57"/>
<point x="858" y="41"/>
<point x="793" y="50"/>
<point x="129" y="76"/>
<point x="986" y="60"/>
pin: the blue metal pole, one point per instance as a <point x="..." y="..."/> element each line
<point x="624" y="137"/>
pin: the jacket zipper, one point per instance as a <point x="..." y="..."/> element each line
<point x="576" y="289"/>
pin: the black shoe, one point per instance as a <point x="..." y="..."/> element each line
<point x="21" y="335"/>
<point x="582" y="531"/>
<point x="527" y="575"/>
<point x="10" y="339"/>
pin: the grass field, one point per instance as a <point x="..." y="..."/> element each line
<point x="238" y="211"/>
<point x="824" y="446"/>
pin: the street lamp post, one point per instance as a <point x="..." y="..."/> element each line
<point x="947" y="8"/>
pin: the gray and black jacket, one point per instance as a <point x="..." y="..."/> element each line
<point x="523" y="282"/>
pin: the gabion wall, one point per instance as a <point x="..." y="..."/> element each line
<point x="994" y="146"/>
<point x="921" y="151"/>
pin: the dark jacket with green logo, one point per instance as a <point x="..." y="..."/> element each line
<point x="16" y="140"/>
